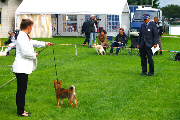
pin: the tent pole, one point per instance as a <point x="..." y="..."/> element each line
<point x="57" y="24"/>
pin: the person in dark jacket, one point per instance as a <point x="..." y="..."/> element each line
<point x="85" y="29"/>
<point x="92" y="30"/>
<point x="11" y="41"/>
<point x="121" y="39"/>
<point x="148" y="38"/>
<point x="160" y="31"/>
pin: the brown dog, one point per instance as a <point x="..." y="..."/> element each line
<point x="65" y="93"/>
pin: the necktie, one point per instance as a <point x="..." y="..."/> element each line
<point x="146" y="26"/>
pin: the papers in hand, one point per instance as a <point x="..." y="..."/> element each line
<point x="155" y="49"/>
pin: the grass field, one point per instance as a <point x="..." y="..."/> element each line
<point x="107" y="87"/>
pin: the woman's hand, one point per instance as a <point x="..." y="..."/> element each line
<point x="49" y="44"/>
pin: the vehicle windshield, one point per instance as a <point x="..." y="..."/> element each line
<point x="139" y="14"/>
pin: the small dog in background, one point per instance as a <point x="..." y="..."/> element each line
<point x="62" y="93"/>
<point x="3" y="53"/>
<point x="99" y="49"/>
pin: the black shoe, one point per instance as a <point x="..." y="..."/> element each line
<point x="143" y="74"/>
<point x="117" y="52"/>
<point x="150" y="74"/>
<point x="7" y="54"/>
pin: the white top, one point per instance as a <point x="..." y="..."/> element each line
<point x="25" y="60"/>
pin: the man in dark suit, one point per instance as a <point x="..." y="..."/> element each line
<point x="148" y="38"/>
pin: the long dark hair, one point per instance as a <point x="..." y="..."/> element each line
<point x="103" y="31"/>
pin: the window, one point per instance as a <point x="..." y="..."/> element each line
<point x="113" y="23"/>
<point x="139" y="15"/>
<point x="69" y="23"/>
<point x="0" y="16"/>
<point x="88" y="16"/>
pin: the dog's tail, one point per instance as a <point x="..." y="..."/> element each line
<point x="72" y="87"/>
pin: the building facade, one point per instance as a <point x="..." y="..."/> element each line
<point x="7" y="16"/>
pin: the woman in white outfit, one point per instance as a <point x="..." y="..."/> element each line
<point x="25" y="62"/>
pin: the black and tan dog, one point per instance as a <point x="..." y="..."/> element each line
<point x="62" y="93"/>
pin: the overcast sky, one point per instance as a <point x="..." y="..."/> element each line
<point x="166" y="2"/>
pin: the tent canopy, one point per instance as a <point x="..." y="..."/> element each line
<point x="113" y="7"/>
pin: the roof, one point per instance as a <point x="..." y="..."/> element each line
<point x="113" y="7"/>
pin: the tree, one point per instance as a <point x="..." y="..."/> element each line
<point x="171" y="11"/>
<point x="144" y="2"/>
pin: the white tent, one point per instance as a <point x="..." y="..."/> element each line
<point x="43" y="8"/>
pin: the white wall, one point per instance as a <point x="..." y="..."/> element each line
<point x="8" y="16"/>
<point x="174" y="30"/>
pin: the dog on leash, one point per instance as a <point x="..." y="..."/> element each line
<point x="3" y="53"/>
<point x="62" y="93"/>
<point x="99" y="49"/>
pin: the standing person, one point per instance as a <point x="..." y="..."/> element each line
<point x="92" y="30"/>
<point x="102" y="39"/>
<point x="25" y="62"/>
<point x="85" y="29"/>
<point x="160" y="31"/>
<point x="11" y="41"/>
<point x="147" y="39"/>
<point x="121" y="39"/>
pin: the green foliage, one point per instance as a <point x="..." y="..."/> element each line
<point x="171" y="11"/>
<point x="144" y="2"/>
<point x="107" y="87"/>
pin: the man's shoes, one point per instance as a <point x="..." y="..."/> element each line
<point x="143" y="74"/>
<point x="111" y="53"/>
<point x="150" y="74"/>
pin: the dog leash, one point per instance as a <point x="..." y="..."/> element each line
<point x="41" y="50"/>
<point x="55" y="63"/>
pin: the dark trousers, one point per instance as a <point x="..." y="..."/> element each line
<point x="87" y="35"/>
<point x="146" y="53"/>
<point x="22" y="79"/>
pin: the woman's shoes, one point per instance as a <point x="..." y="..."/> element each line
<point x="25" y="114"/>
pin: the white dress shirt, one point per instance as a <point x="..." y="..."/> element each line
<point x="25" y="60"/>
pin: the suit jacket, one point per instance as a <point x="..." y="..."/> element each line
<point x="148" y="36"/>
<point x="25" y="60"/>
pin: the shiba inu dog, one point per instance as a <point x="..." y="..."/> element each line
<point x="99" y="49"/>
<point x="62" y="93"/>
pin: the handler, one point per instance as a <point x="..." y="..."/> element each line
<point x="148" y="38"/>
<point x="25" y="62"/>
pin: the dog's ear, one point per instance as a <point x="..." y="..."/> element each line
<point x="61" y="81"/>
<point x="54" y="81"/>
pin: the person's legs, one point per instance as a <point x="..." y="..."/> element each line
<point x="150" y="60"/>
<point x="111" y="51"/>
<point x="143" y="60"/>
<point x="91" y="37"/>
<point x="119" y="45"/>
<point x="160" y="45"/>
<point x="94" y="39"/>
<point x="22" y="79"/>
<point x="88" y="36"/>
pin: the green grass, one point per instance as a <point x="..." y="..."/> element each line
<point x="107" y="87"/>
